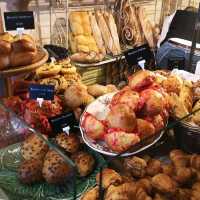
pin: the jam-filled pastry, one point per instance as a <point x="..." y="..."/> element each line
<point x="109" y="177"/>
<point x="94" y="128"/>
<point x="121" y="116"/>
<point x="128" y="97"/>
<point x="141" y="80"/>
<point x="119" y="141"/>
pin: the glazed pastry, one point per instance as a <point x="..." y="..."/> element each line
<point x="109" y="177"/>
<point x="136" y="166"/>
<point x="122" y="117"/>
<point x="119" y="141"/>
<point x="84" y="163"/>
<point x="128" y="97"/>
<point x="153" y="167"/>
<point x="34" y="148"/>
<point x="94" y="128"/>
<point x="70" y="143"/>
<point x="48" y="70"/>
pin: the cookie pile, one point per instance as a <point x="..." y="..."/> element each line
<point x="60" y="74"/>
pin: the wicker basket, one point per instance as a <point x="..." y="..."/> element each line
<point x="187" y="137"/>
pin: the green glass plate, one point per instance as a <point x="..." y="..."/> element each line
<point x="10" y="159"/>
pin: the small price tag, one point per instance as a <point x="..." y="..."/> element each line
<point x="63" y="122"/>
<point x="14" y="20"/>
<point x="41" y="92"/>
<point x="176" y="63"/>
<point x="134" y="56"/>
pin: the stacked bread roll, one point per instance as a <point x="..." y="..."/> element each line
<point x="61" y="74"/>
<point x="16" y="51"/>
<point x="92" y="35"/>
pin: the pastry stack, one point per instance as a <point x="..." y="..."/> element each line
<point x="92" y="35"/>
<point x="16" y="50"/>
<point x="61" y="74"/>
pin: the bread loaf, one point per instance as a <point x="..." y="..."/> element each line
<point x="4" y="61"/>
<point x="5" y="43"/>
<point x="23" y="43"/>
<point x="22" y="58"/>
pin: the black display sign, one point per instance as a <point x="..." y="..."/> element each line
<point x="133" y="56"/>
<point x="176" y="63"/>
<point x="61" y="122"/>
<point x="45" y="92"/>
<point x="14" y="20"/>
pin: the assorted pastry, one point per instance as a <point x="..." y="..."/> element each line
<point x="40" y="163"/>
<point x="61" y="74"/>
<point x="18" y="50"/>
<point x="147" y="178"/>
<point x="137" y="112"/>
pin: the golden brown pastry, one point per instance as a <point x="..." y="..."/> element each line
<point x="145" y="129"/>
<point x="179" y="158"/>
<point x="163" y="183"/>
<point x="23" y="43"/>
<point x="173" y="84"/>
<point x="88" y="99"/>
<point x="70" y="143"/>
<point x="145" y="183"/>
<point x="55" y="170"/>
<point x="195" y="191"/>
<point x="121" y="116"/>
<point x="111" y="88"/>
<point x="5" y="43"/>
<point x="126" y="191"/>
<point x="153" y="167"/>
<point x="168" y="169"/>
<point x="92" y="194"/>
<point x="4" y="61"/>
<point x="137" y="166"/>
<point x="97" y="90"/>
<point x="48" y="70"/>
<point x="109" y="177"/>
<point x="84" y="163"/>
<point x="119" y="141"/>
<point x="34" y="148"/>
<point x="74" y="95"/>
<point x="141" y="194"/>
<point x="195" y="162"/>
<point x="160" y="197"/>
<point x="183" y="194"/>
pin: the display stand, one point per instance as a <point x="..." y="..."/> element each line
<point x="6" y="75"/>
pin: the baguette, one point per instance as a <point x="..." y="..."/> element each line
<point x="97" y="33"/>
<point x="108" y="41"/>
<point x="116" y="49"/>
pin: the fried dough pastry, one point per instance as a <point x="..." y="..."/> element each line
<point x="141" y="194"/>
<point x="158" y="122"/>
<point x="195" y="191"/>
<point x="160" y="197"/>
<point x="183" y="194"/>
<point x="120" y="141"/>
<point x="109" y="177"/>
<point x="121" y="116"/>
<point x="153" y="167"/>
<point x="141" y="79"/>
<point x="126" y="191"/>
<point x="145" y="128"/>
<point x="92" y="194"/>
<point x="164" y="184"/>
<point x="128" y="97"/>
<point x="168" y="169"/>
<point x="195" y="162"/>
<point x="93" y="127"/>
<point x="137" y="166"/>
